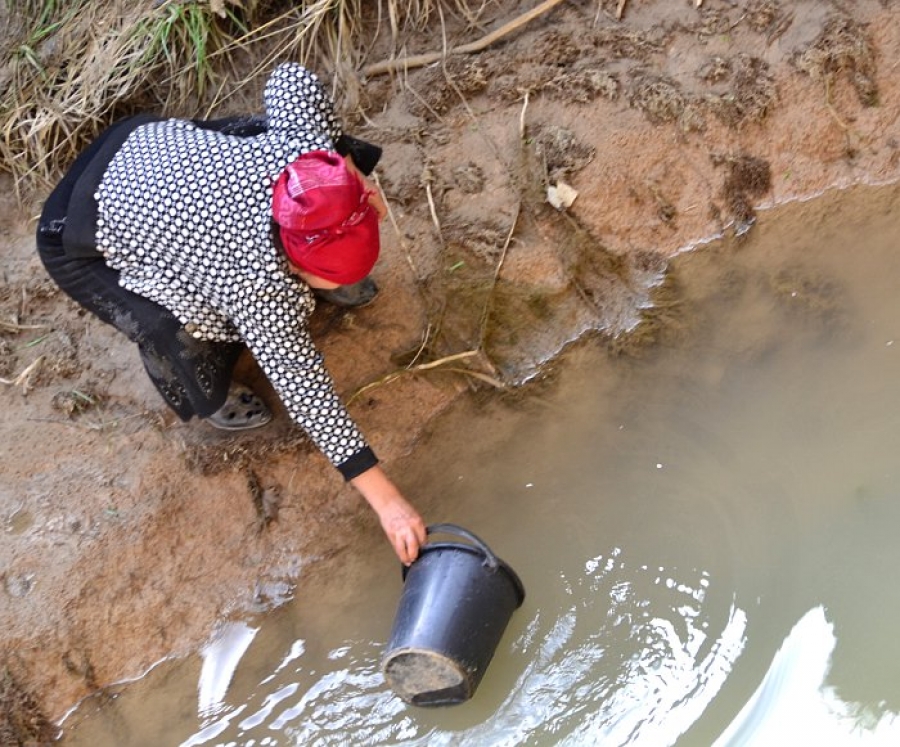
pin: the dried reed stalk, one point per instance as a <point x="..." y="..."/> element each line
<point x="414" y="61"/>
<point x="73" y="67"/>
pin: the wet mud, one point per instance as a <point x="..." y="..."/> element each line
<point x="127" y="534"/>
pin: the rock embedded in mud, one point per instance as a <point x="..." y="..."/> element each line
<point x="561" y="195"/>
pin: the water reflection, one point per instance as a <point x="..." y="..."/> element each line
<point x="706" y="529"/>
<point x="631" y="656"/>
<point x="793" y="704"/>
<point x="633" y="652"/>
<point x="220" y="658"/>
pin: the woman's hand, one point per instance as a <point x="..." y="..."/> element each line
<point x="402" y="524"/>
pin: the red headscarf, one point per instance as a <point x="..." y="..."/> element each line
<point x="325" y="221"/>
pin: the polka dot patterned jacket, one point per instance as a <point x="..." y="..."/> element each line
<point x="184" y="214"/>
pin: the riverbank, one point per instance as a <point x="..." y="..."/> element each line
<point x="128" y="534"/>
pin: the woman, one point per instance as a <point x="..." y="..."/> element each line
<point x="196" y="239"/>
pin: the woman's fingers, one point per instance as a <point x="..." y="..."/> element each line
<point x="408" y="539"/>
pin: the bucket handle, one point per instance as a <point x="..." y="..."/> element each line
<point x="490" y="560"/>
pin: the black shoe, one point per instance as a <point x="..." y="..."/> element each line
<point x="350" y="296"/>
<point x="243" y="410"/>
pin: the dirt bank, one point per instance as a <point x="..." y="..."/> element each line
<point x="127" y="534"/>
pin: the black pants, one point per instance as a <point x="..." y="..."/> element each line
<point x="193" y="376"/>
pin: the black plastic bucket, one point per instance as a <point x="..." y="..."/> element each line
<point x="456" y="603"/>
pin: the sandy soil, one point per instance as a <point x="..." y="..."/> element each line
<point x="127" y="534"/>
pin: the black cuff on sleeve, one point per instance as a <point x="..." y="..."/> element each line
<point x="357" y="464"/>
<point x="365" y="155"/>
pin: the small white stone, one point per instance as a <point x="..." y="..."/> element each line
<point x="561" y="195"/>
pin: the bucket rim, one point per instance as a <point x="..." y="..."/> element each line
<point x="432" y="547"/>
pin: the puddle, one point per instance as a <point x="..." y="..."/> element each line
<point x="706" y="531"/>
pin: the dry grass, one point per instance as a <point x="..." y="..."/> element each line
<point x="660" y="98"/>
<point x="747" y="179"/>
<point x="751" y="91"/>
<point x="210" y="454"/>
<point x="82" y="63"/>
<point x="666" y="320"/>
<point x="72" y="67"/>
<point x="584" y="85"/>
<point x="843" y="47"/>
<point x="559" y="152"/>
<point x="21" y="719"/>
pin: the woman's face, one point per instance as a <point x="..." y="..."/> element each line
<point x="313" y="281"/>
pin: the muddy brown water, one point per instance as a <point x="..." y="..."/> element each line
<point x="707" y="533"/>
